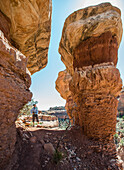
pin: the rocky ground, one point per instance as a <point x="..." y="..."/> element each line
<point x="36" y="150"/>
<point x="45" y="121"/>
<point x="119" y="137"/>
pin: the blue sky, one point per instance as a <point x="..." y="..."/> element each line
<point x="43" y="82"/>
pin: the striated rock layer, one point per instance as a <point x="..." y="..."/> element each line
<point x="27" y="24"/>
<point x="14" y="94"/>
<point x="87" y="30"/>
<point x="89" y="50"/>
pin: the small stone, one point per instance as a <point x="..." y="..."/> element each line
<point x="46" y="136"/>
<point x="74" y="160"/>
<point x="113" y="160"/>
<point x="33" y="139"/>
<point x="48" y="133"/>
<point x="89" y="152"/>
<point x="42" y="142"/>
<point x="78" y="159"/>
<point x="54" y="138"/>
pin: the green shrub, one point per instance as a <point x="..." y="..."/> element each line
<point x="26" y="110"/>
<point x="57" y="156"/>
<point x="116" y="135"/>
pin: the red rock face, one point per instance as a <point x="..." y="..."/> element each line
<point x="121" y="104"/>
<point x="72" y="110"/>
<point x="96" y="50"/>
<point x="95" y="95"/>
<point x="27" y="26"/>
<point x="14" y="94"/>
<point x="5" y="25"/>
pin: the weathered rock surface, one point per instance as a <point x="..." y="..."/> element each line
<point x="14" y="91"/>
<point x="63" y="79"/>
<point x="49" y="148"/>
<point x="72" y="111"/>
<point x="89" y="50"/>
<point x="96" y="50"/>
<point x="33" y="139"/>
<point x="62" y="86"/>
<point x="95" y="90"/>
<point x="96" y="27"/>
<point x="28" y="25"/>
<point x="121" y="104"/>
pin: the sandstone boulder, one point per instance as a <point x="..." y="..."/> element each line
<point x="62" y="84"/>
<point x="49" y="148"/>
<point x="33" y="139"/>
<point x="28" y="26"/>
<point x="87" y="30"/>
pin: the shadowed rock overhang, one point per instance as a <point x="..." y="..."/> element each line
<point x="28" y="27"/>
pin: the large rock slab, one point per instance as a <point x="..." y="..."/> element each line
<point x="29" y="29"/>
<point x="83" y="28"/>
<point x="15" y="81"/>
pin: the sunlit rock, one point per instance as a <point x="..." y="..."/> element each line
<point x="29" y="28"/>
<point x="95" y="92"/>
<point x="89" y="50"/>
<point x="87" y="30"/>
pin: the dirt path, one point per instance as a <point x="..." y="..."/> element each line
<point x="78" y="152"/>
